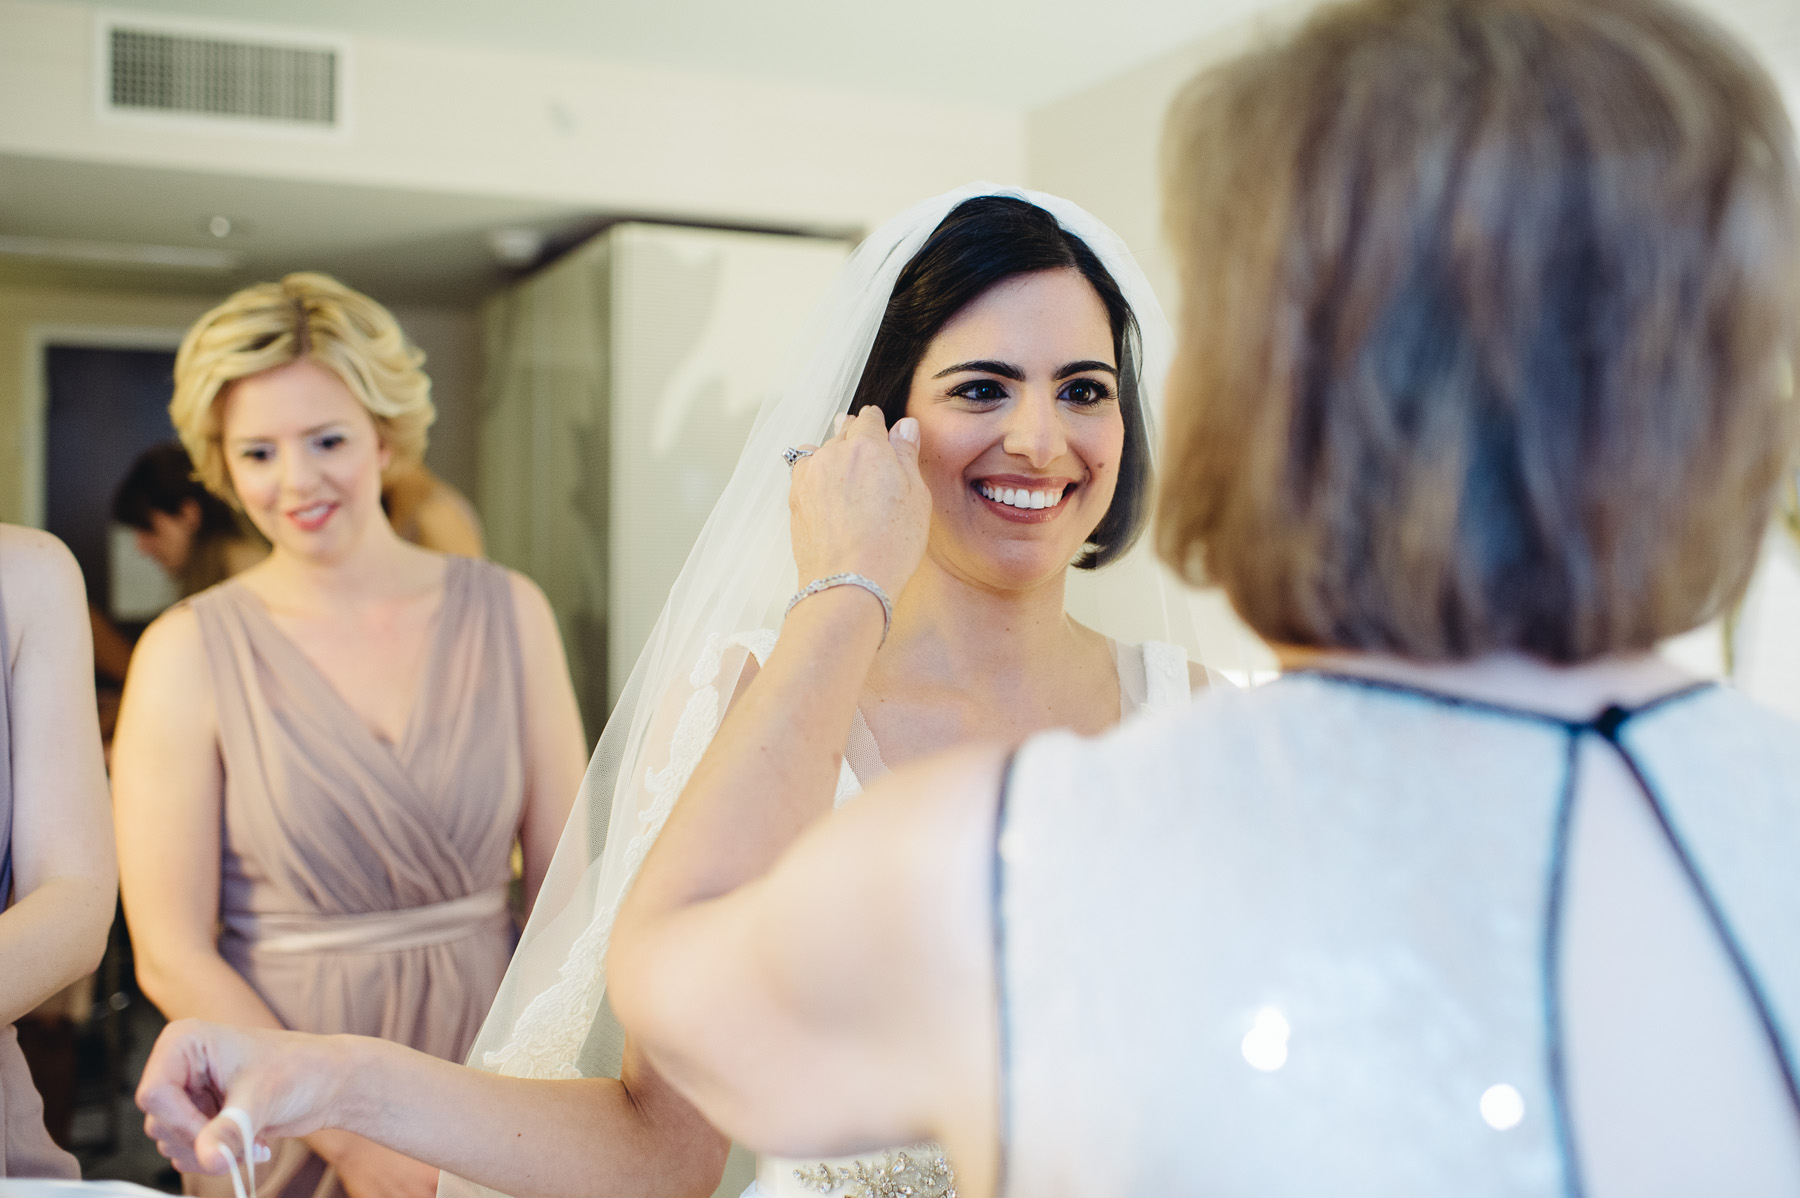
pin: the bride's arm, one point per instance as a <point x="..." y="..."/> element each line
<point x="858" y="506"/>
<point x="846" y="1000"/>
<point x="529" y="1138"/>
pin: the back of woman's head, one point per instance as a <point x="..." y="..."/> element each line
<point x="162" y="480"/>
<point x="1491" y="317"/>
<point x="982" y="243"/>
<point x="304" y="316"/>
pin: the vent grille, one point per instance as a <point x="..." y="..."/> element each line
<point x="157" y="71"/>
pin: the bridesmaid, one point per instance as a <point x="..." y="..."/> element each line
<point x="322" y="765"/>
<point x="56" y="852"/>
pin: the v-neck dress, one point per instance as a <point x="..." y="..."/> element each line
<point x="363" y="884"/>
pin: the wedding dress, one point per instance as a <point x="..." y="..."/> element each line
<point x="550" y="1019"/>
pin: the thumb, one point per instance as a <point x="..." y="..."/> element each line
<point x="904" y="437"/>
<point x="227" y="1136"/>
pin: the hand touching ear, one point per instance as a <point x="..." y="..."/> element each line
<point x="858" y="504"/>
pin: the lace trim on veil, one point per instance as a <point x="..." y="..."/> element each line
<point x="550" y="1031"/>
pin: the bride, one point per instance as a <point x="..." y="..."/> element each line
<point x="994" y="358"/>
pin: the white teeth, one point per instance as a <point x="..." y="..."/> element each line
<point x="1020" y="498"/>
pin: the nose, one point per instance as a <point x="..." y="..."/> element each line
<point x="1034" y="429"/>
<point x="298" y="472"/>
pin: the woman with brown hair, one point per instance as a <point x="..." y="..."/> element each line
<point x="196" y="537"/>
<point x="322" y="764"/>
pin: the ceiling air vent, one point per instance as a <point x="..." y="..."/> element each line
<point x="188" y="72"/>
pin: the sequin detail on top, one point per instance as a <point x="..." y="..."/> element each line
<point x="885" y="1175"/>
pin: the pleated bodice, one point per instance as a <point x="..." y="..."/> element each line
<point x="363" y="883"/>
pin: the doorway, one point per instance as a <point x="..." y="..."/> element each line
<point x="104" y="406"/>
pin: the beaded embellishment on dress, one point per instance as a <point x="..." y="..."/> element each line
<point x="887" y="1175"/>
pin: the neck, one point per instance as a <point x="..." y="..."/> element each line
<point x="372" y="567"/>
<point x="1575" y="692"/>
<point x="956" y="632"/>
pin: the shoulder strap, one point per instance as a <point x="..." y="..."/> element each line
<point x="1165" y="676"/>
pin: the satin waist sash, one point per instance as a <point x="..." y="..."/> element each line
<point x="375" y="932"/>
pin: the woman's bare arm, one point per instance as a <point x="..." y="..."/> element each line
<point x="535" y="1139"/>
<point x="64" y="876"/>
<point x="845" y="1000"/>
<point x="555" y="748"/>
<point x="168" y="788"/>
<point x="858" y="506"/>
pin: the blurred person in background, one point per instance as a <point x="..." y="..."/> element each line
<point x="57" y="870"/>
<point x="197" y="538"/>
<point x="193" y="535"/>
<point x="322" y="764"/>
<point x="428" y="511"/>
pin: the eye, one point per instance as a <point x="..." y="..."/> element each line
<point x="1086" y="392"/>
<point x="326" y="442"/>
<point x="256" y="453"/>
<point x="980" y="391"/>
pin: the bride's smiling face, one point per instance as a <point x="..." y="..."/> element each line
<point x="1021" y="432"/>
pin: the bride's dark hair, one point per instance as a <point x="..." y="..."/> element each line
<point x="982" y="243"/>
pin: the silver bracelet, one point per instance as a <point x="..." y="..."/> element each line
<point x="849" y="580"/>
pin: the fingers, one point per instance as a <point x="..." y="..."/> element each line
<point x="175" y="1078"/>
<point x="180" y="1093"/>
<point x="904" y="436"/>
<point x="175" y="1143"/>
<point x="225" y="1138"/>
<point x="868" y="423"/>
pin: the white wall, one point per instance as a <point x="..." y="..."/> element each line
<point x="1100" y="146"/>
<point x="587" y="132"/>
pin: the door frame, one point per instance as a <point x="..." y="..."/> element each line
<point x="36" y="391"/>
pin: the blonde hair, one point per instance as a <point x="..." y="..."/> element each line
<point x="1491" y="310"/>
<point x="310" y="317"/>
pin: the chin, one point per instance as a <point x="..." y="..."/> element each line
<point x="1024" y="571"/>
<point x="326" y="545"/>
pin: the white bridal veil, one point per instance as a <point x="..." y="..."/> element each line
<point x="547" y="1020"/>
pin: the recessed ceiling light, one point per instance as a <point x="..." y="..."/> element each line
<point x="515" y="247"/>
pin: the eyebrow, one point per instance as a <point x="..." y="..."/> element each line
<point x="1007" y="370"/>
<point x="314" y="431"/>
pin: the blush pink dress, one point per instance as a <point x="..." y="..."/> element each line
<point x="364" y="884"/>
